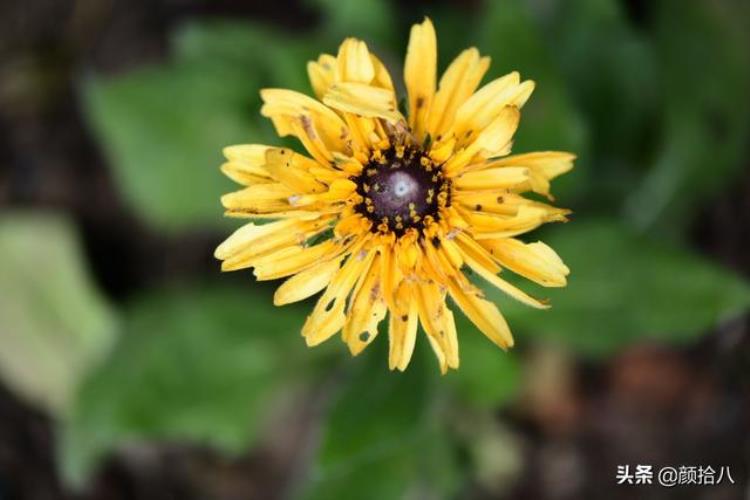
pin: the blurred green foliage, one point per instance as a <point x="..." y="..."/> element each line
<point x="383" y="425"/>
<point x="162" y="126"/>
<point x="54" y="324"/>
<point x="655" y="110"/>
<point x="701" y="48"/>
<point x="201" y="365"/>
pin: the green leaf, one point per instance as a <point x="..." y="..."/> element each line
<point x="625" y="288"/>
<point x="381" y="438"/>
<point x="202" y="365"/>
<point x="611" y="72"/>
<point x="610" y="68"/>
<point x="163" y="127"/>
<point x="705" y="111"/>
<point x="488" y="377"/>
<point x="54" y="324"/>
<point x="163" y="130"/>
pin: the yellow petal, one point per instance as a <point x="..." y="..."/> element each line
<point x="250" y="233"/>
<point x="465" y="245"/>
<point x="402" y="328"/>
<point x="443" y="149"/>
<point x="352" y="165"/>
<point x="382" y="76"/>
<point x="482" y="108"/>
<point x="488" y="273"/>
<point x="363" y="132"/>
<point x="241" y="175"/>
<point x="437" y="322"/>
<point x="354" y="63"/>
<point x="299" y="214"/>
<point x="535" y="261"/>
<point x="543" y="166"/>
<point x="492" y="178"/>
<point x="407" y="253"/>
<point x="245" y="165"/>
<point x="451" y="338"/>
<point x="338" y="191"/>
<point x="253" y="155"/>
<point x="326" y="174"/>
<point x="328" y="316"/>
<point x="457" y="84"/>
<point x="306" y="283"/>
<point x="252" y="241"/>
<point x="490" y="226"/>
<point x="259" y="198"/>
<point x="304" y="129"/>
<point x="351" y="225"/>
<point x="420" y="72"/>
<point x="366" y="310"/>
<point x="451" y="253"/>
<point x="289" y="168"/>
<point x="293" y="260"/>
<point x="363" y="100"/>
<point x="390" y="274"/>
<point x="427" y="297"/>
<point x="482" y="313"/>
<point x="493" y="140"/>
<point x="322" y="74"/>
<point x="485" y="201"/>
<point x="319" y="128"/>
<point x="505" y="202"/>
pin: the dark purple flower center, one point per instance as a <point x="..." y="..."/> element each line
<point x="401" y="188"/>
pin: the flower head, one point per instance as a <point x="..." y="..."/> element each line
<point x="385" y="212"/>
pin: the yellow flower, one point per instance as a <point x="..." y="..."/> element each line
<point x="386" y="211"/>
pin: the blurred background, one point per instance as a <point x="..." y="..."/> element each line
<point x="131" y="368"/>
